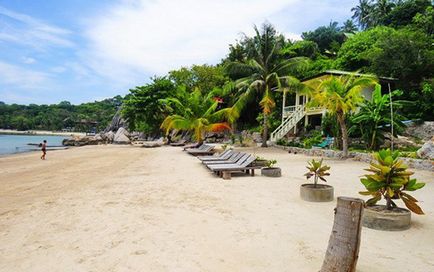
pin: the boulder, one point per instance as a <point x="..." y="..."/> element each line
<point x="117" y="122"/>
<point x="427" y="150"/>
<point x="257" y="137"/>
<point x="121" y="137"/>
<point x="399" y="142"/>
<point x="109" y="136"/>
<point x="422" y="131"/>
<point x="98" y="137"/>
<point x="80" y="141"/>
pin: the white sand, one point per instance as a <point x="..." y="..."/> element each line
<point x="122" y="208"/>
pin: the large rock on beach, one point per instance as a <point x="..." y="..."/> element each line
<point x="108" y="136"/>
<point x="116" y="123"/>
<point x="80" y="141"/>
<point x="122" y="136"/>
<point x="427" y="150"/>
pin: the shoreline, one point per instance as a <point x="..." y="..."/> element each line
<point x="40" y="133"/>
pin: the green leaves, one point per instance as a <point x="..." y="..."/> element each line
<point x="195" y="112"/>
<point x="388" y="178"/>
<point x="317" y="170"/>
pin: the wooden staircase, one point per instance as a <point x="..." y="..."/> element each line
<point x="289" y="123"/>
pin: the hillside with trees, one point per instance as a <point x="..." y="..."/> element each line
<point x="385" y="38"/>
<point x="64" y="115"/>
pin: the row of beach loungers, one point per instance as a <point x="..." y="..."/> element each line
<point x="226" y="163"/>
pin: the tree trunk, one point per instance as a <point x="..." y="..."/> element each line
<point x="343" y="248"/>
<point x="264" y="131"/>
<point x="341" y="120"/>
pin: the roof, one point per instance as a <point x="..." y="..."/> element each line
<point x="340" y="73"/>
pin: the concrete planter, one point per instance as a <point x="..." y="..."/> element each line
<point x="271" y="172"/>
<point x="320" y="193"/>
<point x="377" y="217"/>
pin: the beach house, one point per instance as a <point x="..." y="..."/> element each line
<point x="297" y="113"/>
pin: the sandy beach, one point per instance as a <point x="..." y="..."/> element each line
<point x="124" y="208"/>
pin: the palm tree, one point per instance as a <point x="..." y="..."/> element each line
<point x="349" y="27"/>
<point x="363" y="13"/>
<point x="266" y="71"/>
<point x="381" y="9"/>
<point x="195" y="112"/>
<point x="339" y="96"/>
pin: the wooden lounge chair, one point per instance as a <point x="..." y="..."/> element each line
<point x="222" y="156"/>
<point x="244" y="165"/>
<point x="233" y="158"/>
<point x="179" y="143"/>
<point x="207" y="150"/>
<point x="240" y="158"/>
<point x="192" y="146"/>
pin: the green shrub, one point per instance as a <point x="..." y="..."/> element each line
<point x="389" y="178"/>
<point x="314" y="139"/>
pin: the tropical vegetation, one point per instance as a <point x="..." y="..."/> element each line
<point x="84" y="117"/>
<point x="390" y="179"/>
<point x="374" y="118"/>
<point x="340" y="96"/>
<point x="385" y="38"/>
<point x="194" y="112"/>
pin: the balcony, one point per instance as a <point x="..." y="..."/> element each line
<point x="289" y="110"/>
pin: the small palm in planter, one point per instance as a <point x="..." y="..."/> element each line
<point x="389" y="179"/>
<point x="270" y="171"/>
<point x="316" y="192"/>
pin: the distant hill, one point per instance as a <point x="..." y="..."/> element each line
<point x="83" y="117"/>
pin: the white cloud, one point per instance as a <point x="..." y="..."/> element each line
<point x="28" y="60"/>
<point x="134" y="38"/>
<point x="18" y="77"/>
<point x="23" y="29"/>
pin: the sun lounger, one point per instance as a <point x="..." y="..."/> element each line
<point x="325" y="144"/>
<point x="235" y="162"/>
<point x="233" y="158"/>
<point x="191" y="146"/>
<point x="222" y="156"/>
<point x="180" y="143"/>
<point x="206" y="150"/>
<point x="243" y="165"/>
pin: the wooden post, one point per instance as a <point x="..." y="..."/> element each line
<point x="226" y="175"/>
<point x="343" y="248"/>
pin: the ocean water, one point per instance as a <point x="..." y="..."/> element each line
<point x="10" y="144"/>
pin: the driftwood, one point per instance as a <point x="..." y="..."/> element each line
<point x="343" y="248"/>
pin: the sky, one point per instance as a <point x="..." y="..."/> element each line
<point x="87" y="50"/>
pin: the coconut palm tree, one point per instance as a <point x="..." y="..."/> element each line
<point x="363" y="13"/>
<point x="195" y="112"/>
<point x="266" y="71"/>
<point x="339" y="96"/>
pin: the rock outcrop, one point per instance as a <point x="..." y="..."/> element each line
<point x="424" y="131"/>
<point x="86" y="140"/>
<point x="116" y="123"/>
<point x="122" y="136"/>
<point x="427" y="150"/>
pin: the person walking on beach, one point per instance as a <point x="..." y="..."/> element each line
<point x="44" y="149"/>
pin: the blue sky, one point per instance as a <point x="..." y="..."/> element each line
<point x="84" y="50"/>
